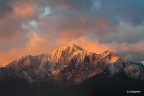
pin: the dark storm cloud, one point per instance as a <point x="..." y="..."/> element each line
<point x="77" y="5"/>
<point x="115" y="11"/>
<point x="76" y="18"/>
<point x="14" y="13"/>
<point x="127" y="10"/>
<point x="5" y="7"/>
<point x="130" y="10"/>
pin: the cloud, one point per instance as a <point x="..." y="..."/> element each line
<point x="27" y="27"/>
<point x="11" y="24"/>
<point x="142" y="62"/>
<point x="5" y="7"/>
<point x="137" y="47"/>
<point x="127" y="33"/>
<point x="24" y="12"/>
<point x="75" y="5"/>
<point x="37" y="45"/>
<point x="34" y="46"/>
<point x="133" y="57"/>
<point x="130" y="10"/>
<point x="73" y="26"/>
<point x="91" y="45"/>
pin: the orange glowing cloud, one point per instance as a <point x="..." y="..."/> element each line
<point x="85" y="43"/>
<point x="35" y="46"/>
<point x="24" y="11"/>
<point x="92" y="46"/>
<point x="38" y="45"/>
<point x="103" y="24"/>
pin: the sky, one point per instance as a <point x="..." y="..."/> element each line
<point x="39" y="26"/>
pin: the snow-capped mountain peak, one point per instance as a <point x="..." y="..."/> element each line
<point x="71" y="64"/>
<point x="105" y="53"/>
<point x="65" y="53"/>
<point x="74" y="46"/>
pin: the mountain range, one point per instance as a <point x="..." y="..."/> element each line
<point x="72" y="68"/>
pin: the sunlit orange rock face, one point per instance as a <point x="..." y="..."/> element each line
<point x="114" y="57"/>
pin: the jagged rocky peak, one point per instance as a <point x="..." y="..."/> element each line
<point x="67" y="52"/>
<point x="72" y="64"/>
<point x="76" y="47"/>
<point x="110" y="57"/>
<point x="70" y="47"/>
<point x="105" y="53"/>
<point x="30" y="61"/>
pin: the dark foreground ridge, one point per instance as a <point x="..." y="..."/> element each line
<point x="99" y="85"/>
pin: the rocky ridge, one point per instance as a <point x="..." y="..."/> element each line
<point x="70" y="65"/>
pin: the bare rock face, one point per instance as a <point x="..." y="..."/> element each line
<point x="70" y="65"/>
